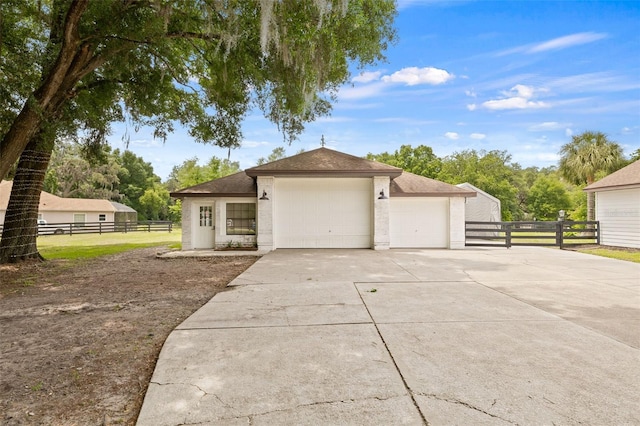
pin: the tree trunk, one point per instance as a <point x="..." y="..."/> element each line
<point x="19" y="236"/>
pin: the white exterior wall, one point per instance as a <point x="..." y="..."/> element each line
<point x="619" y="215"/>
<point x="381" y="235"/>
<point x="67" y="217"/>
<point x="456" y="222"/>
<point x="264" y="213"/>
<point x="186" y="224"/>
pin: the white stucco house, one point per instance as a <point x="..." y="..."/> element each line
<point x="323" y="199"/>
<point x="59" y="210"/>
<point x="618" y="206"/>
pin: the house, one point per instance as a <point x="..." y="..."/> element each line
<point x="618" y="206"/>
<point x="53" y="209"/>
<point x="323" y="199"/>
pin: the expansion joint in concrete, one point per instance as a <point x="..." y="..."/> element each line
<point x="395" y="364"/>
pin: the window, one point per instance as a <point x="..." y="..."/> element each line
<point x="241" y="218"/>
<point x="79" y="219"/>
<point x="102" y="217"/>
<point x="206" y="216"/>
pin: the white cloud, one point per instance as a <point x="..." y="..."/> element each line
<point x="477" y="136"/>
<point x="471" y="93"/>
<point x="547" y="126"/>
<point x="472" y="107"/>
<point x="253" y="144"/>
<point x="412" y="76"/>
<point x="567" y="41"/>
<point x="568" y="132"/>
<point x="514" y="103"/>
<point x="361" y="92"/>
<point x="452" y="135"/>
<point x="518" y="97"/>
<point x="146" y="143"/>
<point x="558" y="43"/>
<point x="366" y="77"/>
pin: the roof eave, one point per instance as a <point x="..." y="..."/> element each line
<point x="611" y="187"/>
<point x="433" y="194"/>
<point x="181" y="195"/>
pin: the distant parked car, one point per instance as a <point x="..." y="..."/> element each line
<point x="45" y="229"/>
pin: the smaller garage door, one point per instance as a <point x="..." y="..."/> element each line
<point x="419" y="222"/>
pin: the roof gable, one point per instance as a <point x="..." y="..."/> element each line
<point x="625" y="178"/>
<point x="324" y="162"/>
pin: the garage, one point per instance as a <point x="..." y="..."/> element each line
<point x="419" y="222"/>
<point x="322" y="213"/>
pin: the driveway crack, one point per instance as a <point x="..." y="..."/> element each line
<point x="467" y="405"/>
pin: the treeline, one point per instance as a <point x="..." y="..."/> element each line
<point x="530" y="193"/>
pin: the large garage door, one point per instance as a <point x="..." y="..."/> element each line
<point x="419" y="222"/>
<point x="322" y="213"/>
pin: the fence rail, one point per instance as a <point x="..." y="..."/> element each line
<point x="70" y="228"/>
<point x="508" y="234"/>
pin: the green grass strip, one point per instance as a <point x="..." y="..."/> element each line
<point x="614" y="254"/>
<point x="88" y="246"/>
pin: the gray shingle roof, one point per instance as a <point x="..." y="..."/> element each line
<point x="410" y="185"/>
<point x="626" y="177"/>
<point x="324" y="162"/>
<point x="319" y="163"/>
<point x="235" y="185"/>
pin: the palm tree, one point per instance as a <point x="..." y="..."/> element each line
<point x="587" y="155"/>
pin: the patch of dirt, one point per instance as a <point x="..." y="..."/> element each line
<point x="79" y="340"/>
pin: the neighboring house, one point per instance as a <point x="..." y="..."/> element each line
<point x="618" y="207"/>
<point x="53" y="209"/>
<point x="323" y="199"/>
<point x="483" y="208"/>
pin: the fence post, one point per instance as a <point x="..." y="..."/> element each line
<point x="170" y="226"/>
<point x="149" y="227"/>
<point x="560" y="233"/>
<point x="597" y="223"/>
<point x="507" y="239"/>
<point x="100" y="228"/>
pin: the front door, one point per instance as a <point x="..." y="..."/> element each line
<point x="203" y="226"/>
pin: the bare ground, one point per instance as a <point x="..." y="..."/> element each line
<point x="79" y="340"/>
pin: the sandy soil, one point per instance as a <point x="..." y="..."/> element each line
<point x="79" y="340"/>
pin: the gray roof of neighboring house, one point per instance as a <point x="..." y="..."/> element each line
<point x="324" y="162"/>
<point x="626" y="178"/>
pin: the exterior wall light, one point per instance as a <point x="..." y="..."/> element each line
<point x="382" y="196"/>
<point x="264" y="195"/>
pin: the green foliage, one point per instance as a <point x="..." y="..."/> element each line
<point x="547" y="196"/>
<point x="190" y="173"/>
<point x="202" y="64"/>
<point x="72" y="174"/>
<point x="278" y="153"/>
<point x="419" y="160"/>
<point x="135" y="178"/>
<point x="588" y="154"/>
<point x="490" y="171"/>
<point x="154" y="203"/>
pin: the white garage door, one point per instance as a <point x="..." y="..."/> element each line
<point x="322" y="213"/>
<point x="419" y="222"/>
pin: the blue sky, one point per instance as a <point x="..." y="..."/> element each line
<point x="517" y="76"/>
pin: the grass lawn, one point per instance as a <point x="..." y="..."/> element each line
<point x="84" y="246"/>
<point x="620" y="254"/>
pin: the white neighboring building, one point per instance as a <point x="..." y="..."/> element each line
<point x="618" y="207"/>
<point x="323" y="199"/>
<point x="58" y="210"/>
<point x="483" y="208"/>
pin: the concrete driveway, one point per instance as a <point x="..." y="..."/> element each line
<point x="477" y="336"/>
